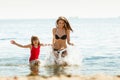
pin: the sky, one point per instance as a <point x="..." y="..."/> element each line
<point x="32" y="9"/>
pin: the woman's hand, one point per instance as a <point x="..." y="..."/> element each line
<point x="12" y="42"/>
<point x="71" y="44"/>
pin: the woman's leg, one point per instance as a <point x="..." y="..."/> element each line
<point x="55" y="52"/>
<point x="64" y="53"/>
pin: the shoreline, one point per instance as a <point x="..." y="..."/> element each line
<point x="63" y="77"/>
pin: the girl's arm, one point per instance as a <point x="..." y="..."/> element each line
<point x="68" y="38"/>
<point x="19" y="45"/>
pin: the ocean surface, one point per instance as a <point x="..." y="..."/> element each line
<point x="96" y="49"/>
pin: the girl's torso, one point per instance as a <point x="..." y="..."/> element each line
<point x="35" y="51"/>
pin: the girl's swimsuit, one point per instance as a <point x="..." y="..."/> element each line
<point x="34" y="53"/>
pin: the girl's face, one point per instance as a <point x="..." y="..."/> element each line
<point x="35" y="42"/>
<point x="61" y="23"/>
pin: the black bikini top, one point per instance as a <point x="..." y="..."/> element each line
<point x="63" y="37"/>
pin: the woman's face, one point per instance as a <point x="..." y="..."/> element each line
<point x="35" y="42"/>
<point x="61" y="23"/>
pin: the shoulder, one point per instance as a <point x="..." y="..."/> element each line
<point x="54" y="29"/>
<point x="29" y="46"/>
<point x="68" y="31"/>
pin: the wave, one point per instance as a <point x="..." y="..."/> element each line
<point x="7" y="39"/>
<point x="9" y="65"/>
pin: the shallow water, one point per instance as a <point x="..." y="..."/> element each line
<point x="96" y="50"/>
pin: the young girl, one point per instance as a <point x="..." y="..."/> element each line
<point x="34" y="53"/>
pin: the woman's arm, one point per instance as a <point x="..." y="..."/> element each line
<point x="19" y="45"/>
<point x="68" y="38"/>
<point x="53" y="32"/>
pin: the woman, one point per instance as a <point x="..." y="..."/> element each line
<point x="61" y="36"/>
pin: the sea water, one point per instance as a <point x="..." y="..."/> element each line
<point x="96" y="46"/>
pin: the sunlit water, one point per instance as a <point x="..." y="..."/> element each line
<point x="96" y="49"/>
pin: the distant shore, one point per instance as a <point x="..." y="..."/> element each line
<point x="62" y="77"/>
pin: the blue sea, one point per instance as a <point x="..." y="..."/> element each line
<point x="96" y="46"/>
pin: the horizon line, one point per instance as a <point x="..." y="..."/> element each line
<point x="77" y="17"/>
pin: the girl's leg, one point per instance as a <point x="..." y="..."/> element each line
<point x="34" y="67"/>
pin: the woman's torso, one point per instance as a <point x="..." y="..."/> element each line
<point x="60" y="39"/>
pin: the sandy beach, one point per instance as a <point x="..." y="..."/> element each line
<point x="62" y="77"/>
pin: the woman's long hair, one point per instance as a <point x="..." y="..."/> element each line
<point x="67" y="24"/>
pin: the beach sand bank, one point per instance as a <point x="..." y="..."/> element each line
<point x="62" y="77"/>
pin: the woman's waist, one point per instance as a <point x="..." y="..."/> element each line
<point x="58" y="47"/>
<point x="60" y="43"/>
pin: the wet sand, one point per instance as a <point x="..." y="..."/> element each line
<point x="62" y="77"/>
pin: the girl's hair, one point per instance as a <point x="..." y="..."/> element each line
<point x="67" y="24"/>
<point x="33" y="38"/>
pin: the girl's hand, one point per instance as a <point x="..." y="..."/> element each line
<point x="12" y="42"/>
